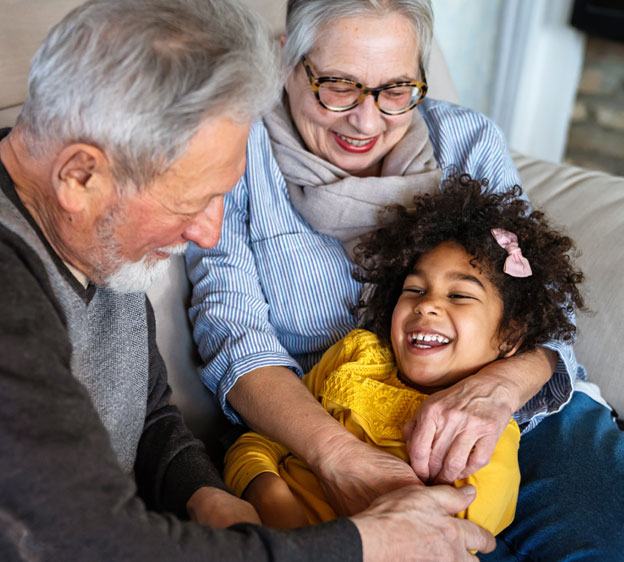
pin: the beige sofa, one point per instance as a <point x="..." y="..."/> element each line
<point x="589" y="205"/>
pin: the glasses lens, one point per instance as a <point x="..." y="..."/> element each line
<point x="398" y="98"/>
<point x="338" y="95"/>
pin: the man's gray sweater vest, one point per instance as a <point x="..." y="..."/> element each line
<point x="109" y="338"/>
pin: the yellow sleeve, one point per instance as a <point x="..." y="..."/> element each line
<point x="251" y="455"/>
<point x="497" y="485"/>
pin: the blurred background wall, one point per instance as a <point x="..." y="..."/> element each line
<point x="556" y="91"/>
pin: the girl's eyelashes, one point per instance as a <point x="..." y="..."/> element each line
<point x="413" y="290"/>
<point x="451" y="295"/>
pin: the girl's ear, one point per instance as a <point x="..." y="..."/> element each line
<point x="512" y="340"/>
<point x="510" y="348"/>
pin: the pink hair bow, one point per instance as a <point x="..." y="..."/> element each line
<point x="516" y="264"/>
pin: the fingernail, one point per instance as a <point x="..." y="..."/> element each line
<point x="468" y="490"/>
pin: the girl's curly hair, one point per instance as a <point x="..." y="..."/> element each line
<point x="535" y="308"/>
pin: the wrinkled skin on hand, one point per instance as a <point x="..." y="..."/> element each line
<point x="455" y="431"/>
<point x="213" y="507"/>
<point x="414" y="524"/>
<point x="353" y="474"/>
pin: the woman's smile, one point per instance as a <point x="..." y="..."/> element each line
<point x="355" y="145"/>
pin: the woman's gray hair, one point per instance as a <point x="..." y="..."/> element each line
<point x="304" y="19"/>
<point x="137" y="79"/>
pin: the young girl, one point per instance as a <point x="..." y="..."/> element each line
<point x="461" y="279"/>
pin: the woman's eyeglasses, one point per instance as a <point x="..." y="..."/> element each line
<point x="340" y="94"/>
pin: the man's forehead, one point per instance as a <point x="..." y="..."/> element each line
<point x="211" y="166"/>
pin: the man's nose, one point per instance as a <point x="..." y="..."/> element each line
<point x="205" y="230"/>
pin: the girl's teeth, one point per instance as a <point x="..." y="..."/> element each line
<point x="420" y="337"/>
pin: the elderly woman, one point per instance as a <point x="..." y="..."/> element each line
<point x="354" y="133"/>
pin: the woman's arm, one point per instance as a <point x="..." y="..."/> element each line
<point x="229" y="309"/>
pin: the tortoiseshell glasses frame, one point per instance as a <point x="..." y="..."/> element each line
<point x="413" y="92"/>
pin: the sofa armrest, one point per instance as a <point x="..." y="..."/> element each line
<point x="589" y="206"/>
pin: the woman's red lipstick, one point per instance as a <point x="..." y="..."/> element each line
<point x="350" y="147"/>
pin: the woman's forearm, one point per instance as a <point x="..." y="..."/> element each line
<point x="273" y="401"/>
<point x="522" y="375"/>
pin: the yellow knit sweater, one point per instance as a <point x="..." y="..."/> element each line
<point x="356" y="381"/>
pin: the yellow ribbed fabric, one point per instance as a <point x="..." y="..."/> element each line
<point x="356" y="381"/>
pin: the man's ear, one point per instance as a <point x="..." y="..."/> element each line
<point x="80" y="175"/>
<point x="282" y="40"/>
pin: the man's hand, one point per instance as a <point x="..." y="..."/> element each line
<point x="455" y="431"/>
<point x="414" y="524"/>
<point x="353" y="473"/>
<point x="213" y="507"/>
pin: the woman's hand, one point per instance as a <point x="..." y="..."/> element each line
<point x="455" y="431"/>
<point x="275" y="503"/>
<point x="353" y="473"/>
<point x="213" y="507"/>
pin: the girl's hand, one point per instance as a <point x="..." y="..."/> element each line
<point x="455" y="431"/>
<point x="275" y="503"/>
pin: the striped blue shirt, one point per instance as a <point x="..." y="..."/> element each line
<point x="276" y="292"/>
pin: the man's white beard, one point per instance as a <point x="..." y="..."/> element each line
<point x="135" y="277"/>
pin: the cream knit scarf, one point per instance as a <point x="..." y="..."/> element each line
<point x="343" y="206"/>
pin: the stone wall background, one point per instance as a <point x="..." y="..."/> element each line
<point x="596" y="135"/>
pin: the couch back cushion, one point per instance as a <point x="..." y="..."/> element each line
<point x="24" y="23"/>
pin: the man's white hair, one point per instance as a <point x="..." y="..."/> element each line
<point x="136" y="78"/>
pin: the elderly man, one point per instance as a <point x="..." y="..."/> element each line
<point x="134" y="128"/>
